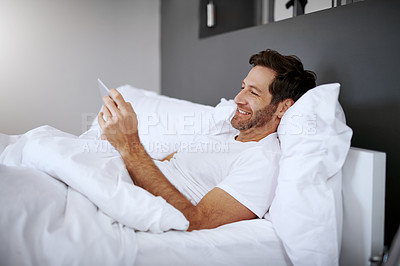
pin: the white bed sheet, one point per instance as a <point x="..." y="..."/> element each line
<point x="251" y="242"/>
<point x="49" y="237"/>
<point x="45" y="222"/>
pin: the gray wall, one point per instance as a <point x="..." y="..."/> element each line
<point x="356" y="45"/>
<point x="51" y="53"/>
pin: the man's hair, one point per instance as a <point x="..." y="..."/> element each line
<point x="291" y="80"/>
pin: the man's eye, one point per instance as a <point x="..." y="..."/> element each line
<point x="254" y="93"/>
<point x="241" y="88"/>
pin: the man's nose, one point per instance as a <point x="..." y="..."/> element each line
<point x="240" y="98"/>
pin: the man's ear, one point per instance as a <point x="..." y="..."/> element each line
<point x="284" y="106"/>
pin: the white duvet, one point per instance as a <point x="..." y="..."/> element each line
<point x="66" y="200"/>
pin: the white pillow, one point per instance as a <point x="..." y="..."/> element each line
<point x="307" y="212"/>
<point x="167" y="124"/>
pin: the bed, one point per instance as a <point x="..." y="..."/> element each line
<point x="256" y="243"/>
<point x="55" y="211"/>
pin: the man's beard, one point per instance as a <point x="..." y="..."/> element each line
<point x="259" y="119"/>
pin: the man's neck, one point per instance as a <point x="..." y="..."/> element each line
<point x="245" y="136"/>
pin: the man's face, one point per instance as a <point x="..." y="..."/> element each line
<point x="254" y="108"/>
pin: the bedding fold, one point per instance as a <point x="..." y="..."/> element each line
<point x="45" y="222"/>
<point x="61" y="194"/>
<point x="95" y="169"/>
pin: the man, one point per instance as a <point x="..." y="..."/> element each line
<point x="212" y="189"/>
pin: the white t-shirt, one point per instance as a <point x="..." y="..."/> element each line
<point x="248" y="171"/>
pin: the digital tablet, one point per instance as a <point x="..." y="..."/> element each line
<point x="102" y="88"/>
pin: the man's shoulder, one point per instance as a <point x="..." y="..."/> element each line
<point x="261" y="155"/>
<point x="269" y="143"/>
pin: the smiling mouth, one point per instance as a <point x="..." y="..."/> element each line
<point x="242" y="112"/>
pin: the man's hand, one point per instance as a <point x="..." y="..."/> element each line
<point x="120" y="126"/>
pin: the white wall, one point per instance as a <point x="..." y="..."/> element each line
<point x="51" y="53"/>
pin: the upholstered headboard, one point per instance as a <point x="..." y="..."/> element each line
<point x="363" y="206"/>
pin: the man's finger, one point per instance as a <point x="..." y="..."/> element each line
<point x="110" y="104"/>
<point x="101" y="120"/>
<point x="117" y="97"/>
<point x="106" y="113"/>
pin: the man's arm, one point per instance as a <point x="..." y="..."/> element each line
<point x="215" y="209"/>
<point x="120" y="128"/>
